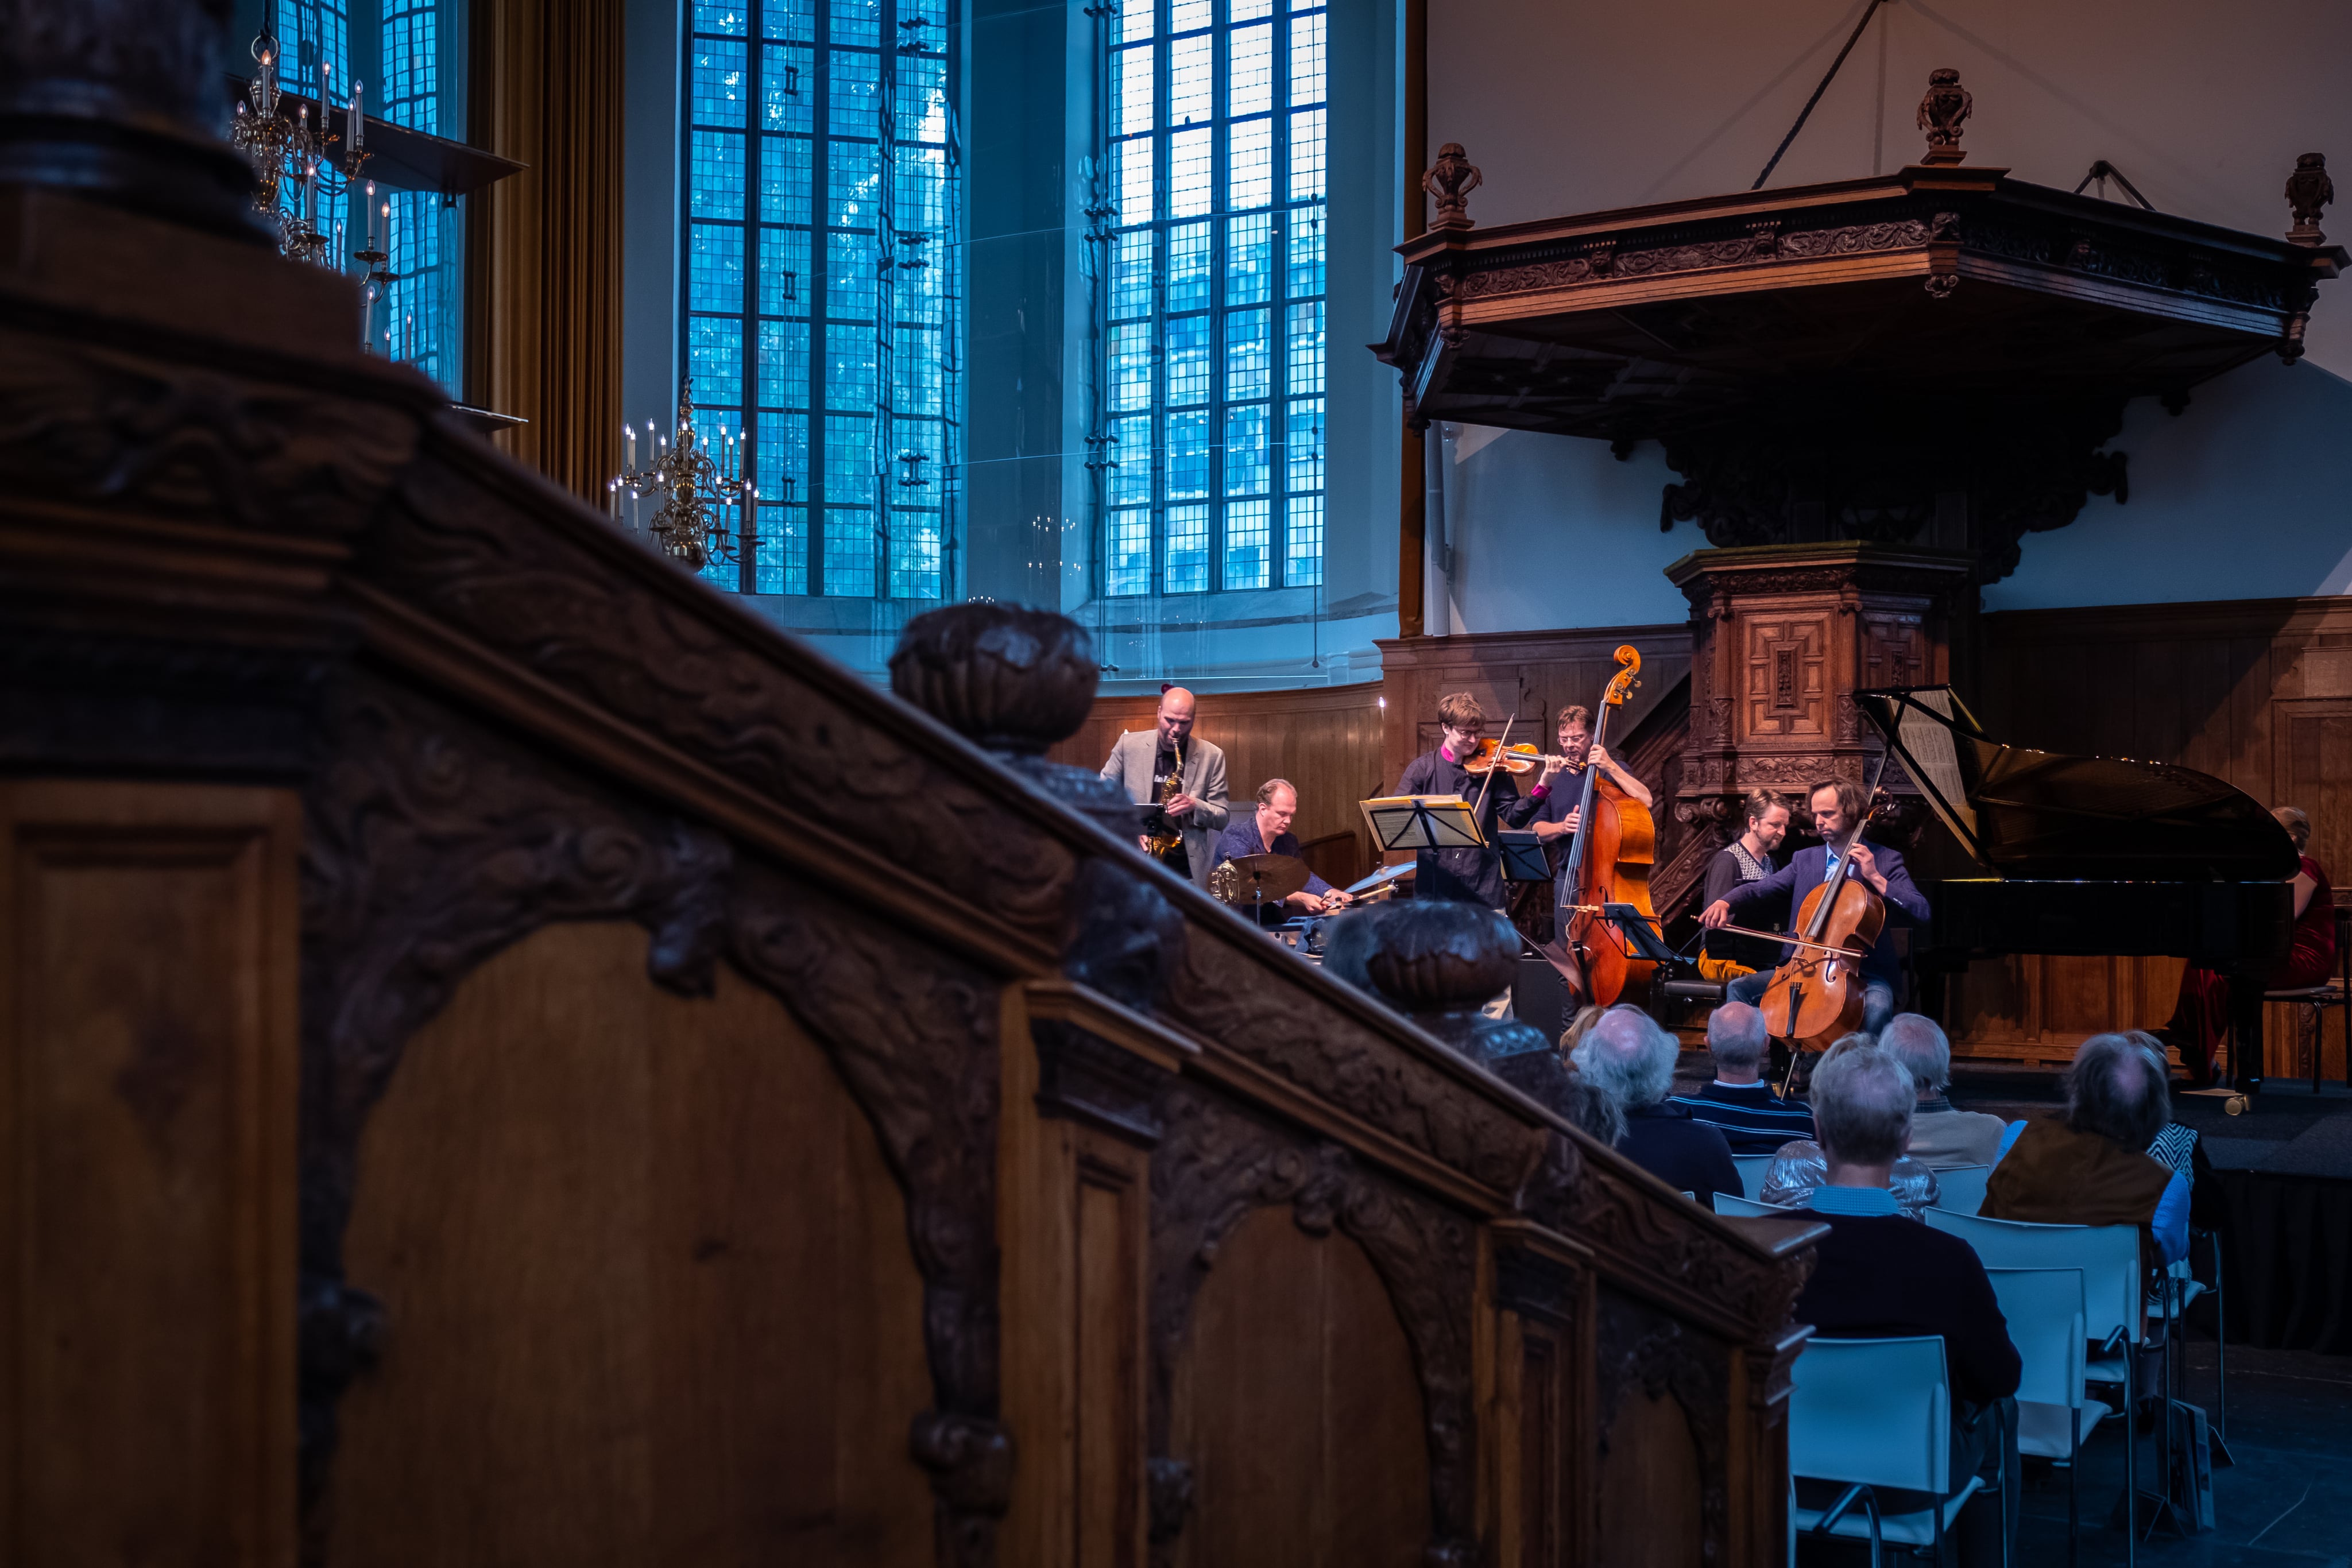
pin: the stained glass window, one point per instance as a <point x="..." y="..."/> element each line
<point x="822" y="261"/>
<point x="1214" y="289"/>
<point x="427" y="249"/>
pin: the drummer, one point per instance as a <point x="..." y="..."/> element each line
<point x="1266" y="830"/>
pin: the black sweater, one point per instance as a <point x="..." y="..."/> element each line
<point x="1689" y="1157"/>
<point x="1884" y="1277"/>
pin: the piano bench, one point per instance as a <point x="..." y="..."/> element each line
<point x="1674" y="998"/>
<point x="2312" y="1003"/>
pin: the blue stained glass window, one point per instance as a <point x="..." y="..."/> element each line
<point x="1188" y="268"/>
<point x="825" y="233"/>
<point x="1188" y="549"/>
<point x="420" y="319"/>
<point x="1215" y="163"/>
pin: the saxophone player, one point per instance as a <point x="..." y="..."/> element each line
<point x="1183" y="777"/>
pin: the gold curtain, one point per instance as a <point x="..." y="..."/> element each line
<point x="543" y="258"/>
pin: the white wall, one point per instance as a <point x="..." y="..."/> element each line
<point x="1571" y="108"/>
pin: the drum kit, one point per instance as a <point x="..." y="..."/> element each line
<point x="1253" y="881"/>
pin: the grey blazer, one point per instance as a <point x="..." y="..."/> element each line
<point x="1131" y="765"/>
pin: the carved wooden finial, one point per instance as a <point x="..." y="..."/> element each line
<point x="1438" y="963"/>
<point x="1013" y="680"/>
<point x="1941" y="112"/>
<point x="2308" y="192"/>
<point x="1451" y="180"/>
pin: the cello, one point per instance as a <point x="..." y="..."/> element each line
<point x="1817" y="994"/>
<point x="1608" y="862"/>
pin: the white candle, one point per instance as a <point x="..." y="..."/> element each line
<point x="387" y="235"/>
<point x="629" y="434"/>
<point x="359" y="122"/>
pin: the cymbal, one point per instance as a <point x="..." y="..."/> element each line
<point x="1270" y="878"/>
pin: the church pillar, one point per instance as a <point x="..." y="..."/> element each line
<point x="1781" y="638"/>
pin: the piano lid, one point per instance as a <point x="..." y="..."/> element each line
<point x="2049" y="816"/>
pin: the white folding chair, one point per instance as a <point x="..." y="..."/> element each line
<point x="2113" y="1323"/>
<point x="1727" y="1204"/>
<point x="1751" y="1172"/>
<point x="2044" y="1308"/>
<point x="1875" y="1416"/>
<point x="1960" y="1188"/>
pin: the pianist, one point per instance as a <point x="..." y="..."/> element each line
<point x="1837" y="806"/>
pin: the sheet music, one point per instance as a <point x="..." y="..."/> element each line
<point x="1928" y="747"/>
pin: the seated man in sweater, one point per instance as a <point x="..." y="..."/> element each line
<point x="1738" y="1103"/>
<point x="1877" y="1275"/>
<point x="1941" y="1137"/>
<point x="2091" y="1166"/>
<point x="1628" y="1056"/>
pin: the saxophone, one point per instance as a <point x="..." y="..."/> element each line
<point x="1170" y="835"/>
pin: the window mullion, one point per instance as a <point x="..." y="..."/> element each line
<point x="1164" y="208"/>
<point x="820" y="282"/>
<point x="1220" y="178"/>
<point x="1277" y="404"/>
<point x="747" y="391"/>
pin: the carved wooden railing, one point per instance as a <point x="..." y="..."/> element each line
<point x="516" y="1058"/>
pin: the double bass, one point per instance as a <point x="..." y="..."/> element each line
<point x="1608" y="862"/>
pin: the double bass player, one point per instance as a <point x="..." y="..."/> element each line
<point x="1837" y="805"/>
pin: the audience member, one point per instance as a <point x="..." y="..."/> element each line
<point x="1738" y="1103"/>
<point x="1798" y="1168"/>
<point x="1941" y="1136"/>
<point x="1875" y="1277"/>
<point x="2091" y="1165"/>
<point x="1626" y="1054"/>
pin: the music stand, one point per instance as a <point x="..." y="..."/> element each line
<point x="1523" y="855"/>
<point x="1422" y="822"/>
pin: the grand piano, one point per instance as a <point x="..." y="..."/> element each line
<point x="2094" y="856"/>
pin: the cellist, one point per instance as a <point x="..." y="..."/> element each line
<point x="1837" y="805"/>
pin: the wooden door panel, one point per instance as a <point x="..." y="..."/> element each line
<point x="147" y="1112"/>
<point x="1296" y="1404"/>
<point x="649" y="1288"/>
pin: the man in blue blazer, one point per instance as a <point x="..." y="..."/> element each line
<point x="1837" y="805"/>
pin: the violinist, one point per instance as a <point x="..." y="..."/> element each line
<point x="1561" y="783"/>
<point x="1837" y="805"/>
<point x="1462" y="765"/>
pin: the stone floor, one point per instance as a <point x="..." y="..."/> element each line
<point x="2286" y="1503"/>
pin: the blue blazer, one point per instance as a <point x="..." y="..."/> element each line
<point x="1810" y="868"/>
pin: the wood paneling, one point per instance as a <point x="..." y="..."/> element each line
<point x="2258" y="692"/>
<point x="1297" y="1403"/>
<point x="1649" y="1491"/>
<point x="147" y="1116"/>
<point x="1078" y="1202"/>
<point x="1325" y="739"/>
<point x="648" y="1285"/>
<point x="1531" y="673"/>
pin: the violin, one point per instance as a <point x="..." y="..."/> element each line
<point x="1817" y="994"/>
<point x="1608" y="862"/>
<point x="1520" y="759"/>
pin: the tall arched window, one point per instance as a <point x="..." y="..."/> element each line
<point x="1212" y="374"/>
<point x="822" y="258"/>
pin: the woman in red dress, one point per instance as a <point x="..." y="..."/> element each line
<point x="2201" y="1019"/>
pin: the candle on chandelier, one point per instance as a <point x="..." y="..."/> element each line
<point x="359" y="122"/>
<point x="408" y="337"/>
<point x="387" y="234"/>
<point x="629" y="435"/>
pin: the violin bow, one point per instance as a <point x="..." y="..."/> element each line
<point x="1477" y="812"/>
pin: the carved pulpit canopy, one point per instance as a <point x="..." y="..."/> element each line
<point x="1850" y="359"/>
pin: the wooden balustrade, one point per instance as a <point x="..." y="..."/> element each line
<point x="512" y="1059"/>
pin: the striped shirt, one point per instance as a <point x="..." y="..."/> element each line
<point x="1752" y="1119"/>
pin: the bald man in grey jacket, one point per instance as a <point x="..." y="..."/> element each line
<point x="1200" y="806"/>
